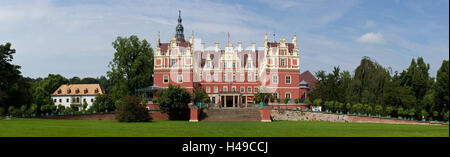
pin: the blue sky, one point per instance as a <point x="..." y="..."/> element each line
<point x="74" y="37"/>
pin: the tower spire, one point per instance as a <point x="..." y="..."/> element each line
<point x="179" y="29"/>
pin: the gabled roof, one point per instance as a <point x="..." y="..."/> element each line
<point x="78" y="89"/>
<point x="308" y="77"/>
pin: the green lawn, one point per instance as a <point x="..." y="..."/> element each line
<point x="104" y="128"/>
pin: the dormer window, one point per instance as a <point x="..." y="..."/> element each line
<point x="85" y="91"/>
<point x="77" y="91"/>
<point x="69" y="91"/>
<point x="282" y="52"/>
<point x="96" y="90"/>
<point x="59" y="91"/>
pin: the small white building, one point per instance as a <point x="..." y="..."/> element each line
<point x="76" y="94"/>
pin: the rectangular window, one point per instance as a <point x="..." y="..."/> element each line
<point x="216" y="89"/>
<point x="256" y="90"/>
<point x="249" y="77"/>
<point x="233" y="89"/>
<point x="242" y="89"/>
<point x="208" y="89"/>
<point x="275" y="79"/>
<point x="242" y="77"/>
<point x="256" y="77"/>
<point x="92" y="100"/>
<point x="208" y="78"/>
<point x="180" y="78"/>
<point x="225" y="77"/>
<point x="224" y="64"/>
<point x="249" y="89"/>
<point x="234" y="65"/>
<point x="173" y="62"/>
<point x="288" y="95"/>
<point x="166" y="78"/>
<point x="282" y="62"/>
<point x="59" y="100"/>
<point x="275" y="95"/>
<point x="201" y="77"/>
<point x="225" y="89"/>
<point x="216" y="77"/>
<point x="67" y="100"/>
<point x="234" y="77"/>
<point x="282" y="52"/>
<point x="288" y="79"/>
<point x="54" y="100"/>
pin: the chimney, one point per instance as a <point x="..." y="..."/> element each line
<point x="253" y="46"/>
<point x="217" y="47"/>
<point x="239" y="46"/>
<point x="203" y="47"/>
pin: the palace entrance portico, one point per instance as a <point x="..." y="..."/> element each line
<point x="233" y="99"/>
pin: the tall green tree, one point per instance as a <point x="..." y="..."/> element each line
<point x="442" y="88"/>
<point x="174" y="101"/>
<point x="418" y="78"/>
<point x="132" y="66"/>
<point x="14" y="89"/>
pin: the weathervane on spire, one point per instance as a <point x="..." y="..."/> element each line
<point x="228" y="37"/>
<point x="273" y="36"/>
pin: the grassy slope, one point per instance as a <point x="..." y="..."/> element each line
<point x="94" y="128"/>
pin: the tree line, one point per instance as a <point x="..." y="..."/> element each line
<point x="131" y="69"/>
<point x="374" y="89"/>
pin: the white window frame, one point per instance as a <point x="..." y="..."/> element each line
<point x="249" y="89"/>
<point x="178" y="78"/>
<point x="249" y="77"/>
<point x="208" y="78"/>
<point x="164" y="81"/>
<point x="242" y="77"/>
<point x="216" y="89"/>
<point x="173" y="62"/>
<point x="275" y="79"/>
<point x="286" y="95"/>
<point x="216" y="77"/>
<point x="225" y="89"/>
<point x="233" y="89"/>
<point x="242" y="89"/>
<point x="283" y="62"/>
<point x="275" y="95"/>
<point x="286" y="79"/>
<point x="208" y="89"/>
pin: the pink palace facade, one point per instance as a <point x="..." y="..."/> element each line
<point x="230" y="76"/>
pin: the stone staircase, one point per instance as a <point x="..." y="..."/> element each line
<point x="230" y="114"/>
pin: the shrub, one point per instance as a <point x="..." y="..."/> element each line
<point x="33" y="108"/>
<point x="412" y="112"/>
<point x="317" y="102"/>
<point x="155" y="101"/>
<point x="16" y="112"/>
<point x="286" y="100"/>
<point x="400" y="111"/>
<point x="435" y="115"/>
<point x="348" y="107"/>
<point x="446" y="116"/>
<point x="23" y="109"/>
<point x="389" y="110"/>
<point x="144" y="101"/>
<point x="61" y="108"/>
<point x="131" y="110"/>
<point x="2" y="111"/>
<point x="174" y="101"/>
<point x="424" y="114"/>
<point x="296" y="100"/>
<point x="307" y="102"/>
<point x="85" y="105"/>
<point x="378" y="109"/>
<point x="10" y="110"/>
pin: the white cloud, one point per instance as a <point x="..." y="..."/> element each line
<point x="372" y="38"/>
